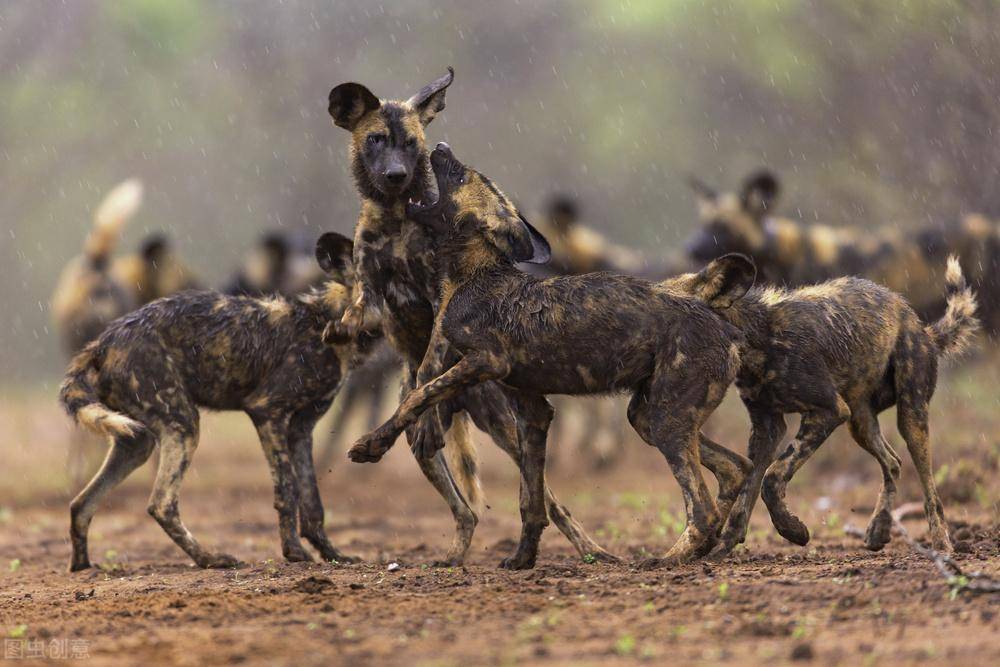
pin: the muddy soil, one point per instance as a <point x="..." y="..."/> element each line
<point x="828" y="603"/>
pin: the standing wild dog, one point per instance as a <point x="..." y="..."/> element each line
<point x="588" y="334"/>
<point x="142" y="381"/>
<point x="842" y="350"/>
<point x="791" y="253"/>
<point x="397" y="276"/>
<point x="282" y="263"/>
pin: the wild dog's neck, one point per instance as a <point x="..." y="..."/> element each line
<point x="326" y="303"/>
<point x="470" y="256"/>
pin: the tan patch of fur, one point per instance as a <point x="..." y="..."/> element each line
<point x="277" y="309"/>
<point x="824" y="243"/>
<point x="787" y="236"/>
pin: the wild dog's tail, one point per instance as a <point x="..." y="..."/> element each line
<point x="115" y="210"/>
<point x="80" y="400"/>
<point x="956" y="327"/>
<point x="464" y="461"/>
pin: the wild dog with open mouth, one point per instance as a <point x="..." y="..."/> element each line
<point x="142" y="381"/>
<point x="588" y="334"/>
<point x="842" y="350"/>
<point x="397" y="276"/>
<point x="791" y="253"/>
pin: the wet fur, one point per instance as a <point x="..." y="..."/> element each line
<point x="398" y="279"/>
<point x="144" y="379"/>
<point x="589" y="334"/>
<point x="840" y="351"/>
<point x="792" y="253"/>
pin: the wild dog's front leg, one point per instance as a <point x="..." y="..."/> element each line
<point x="367" y="284"/>
<point x="427" y="435"/>
<point x="472" y="369"/>
<point x="273" y="432"/>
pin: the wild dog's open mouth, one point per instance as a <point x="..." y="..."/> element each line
<point x="441" y="163"/>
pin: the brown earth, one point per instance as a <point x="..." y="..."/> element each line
<point x="829" y="603"/>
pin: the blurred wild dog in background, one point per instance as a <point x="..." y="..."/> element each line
<point x="577" y="335"/>
<point x="143" y="380"/>
<point x="95" y="288"/>
<point x="842" y="350"/>
<point x="792" y="253"/>
<point x="398" y="277"/>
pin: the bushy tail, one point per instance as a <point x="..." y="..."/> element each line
<point x="78" y="396"/>
<point x="115" y="210"/>
<point x="956" y="327"/>
<point x="464" y="461"/>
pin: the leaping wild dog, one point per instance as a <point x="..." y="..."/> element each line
<point x="588" y="334"/>
<point x="842" y="350"/>
<point x="142" y="381"/>
<point x="791" y="253"/>
<point x="398" y="277"/>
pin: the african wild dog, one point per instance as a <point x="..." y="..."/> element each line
<point x="589" y="334"/>
<point x="397" y="276"/>
<point x="155" y="271"/>
<point x="279" y="263"/>
<point x="791" y="253"/>
<point x="842" y="350"/>
<point x="95" y="289"/>
<point x="88" y="296"/>
<point x="142" y="381"/>
<point x="282" y="263"/>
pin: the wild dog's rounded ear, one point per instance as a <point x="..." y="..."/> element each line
<point x="725" y="280"/>
<point x="154" y="247"/>
<point x="349" y="102"/>
<point x="759" y="193"/>
<point x="429" y="100"/>
<point x="539" y="252"/>
<point x="334" y="253"/>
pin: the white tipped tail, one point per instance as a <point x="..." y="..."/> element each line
<point x="78" y="396"/>
<point x="115" y="210"/>
<point x="953" y="332"/>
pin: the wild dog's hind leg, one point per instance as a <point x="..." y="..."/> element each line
<point x="669" y="415"/>
<point x="816" y="427"/>
<point x="274" y="438"/>
<point x="729" y="469"/>
<point x="866" y="432"/>
<point x="495" y="412"/>
<point x="914" y="386"/>
<point x="767" y="430"/>
<point x="178" y="441"/>
<point x="311" y="514"/>
<point x="537" y="413"/>
<point x="124" y="456"/>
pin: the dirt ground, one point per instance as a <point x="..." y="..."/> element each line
<point x="829" y="603"/>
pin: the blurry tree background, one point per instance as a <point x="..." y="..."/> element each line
<point x="872" y="112"/>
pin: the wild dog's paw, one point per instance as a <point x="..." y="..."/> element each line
<point x="352" y="320"/>
<point x="219" y="561"/>
<point x="518" y="561"/>
<point x="295" y="553"/>
<point x="426" y="436"/>
<point x="371" y="448"/>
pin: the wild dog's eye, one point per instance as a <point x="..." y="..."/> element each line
<point x="410" y="142"/>
<point x="375" y="139"/>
